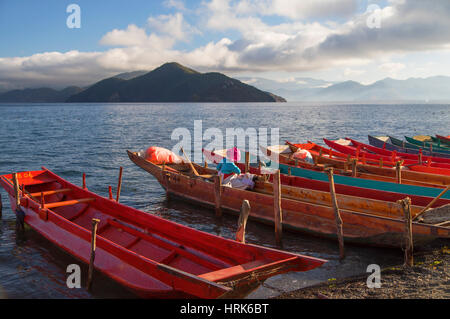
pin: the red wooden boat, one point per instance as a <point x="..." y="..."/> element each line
<point x="298" y="215"/>
<point x="385" y="152"/>
<point x="438" y="168"/>
<point x="444" y="139"/>
<point x="151" y="256"/>
<point x="368" y="169"/>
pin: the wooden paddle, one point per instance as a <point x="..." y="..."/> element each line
<point x="423" y="211"/>
<point x="192" y="166"/>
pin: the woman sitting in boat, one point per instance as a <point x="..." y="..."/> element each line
<point x="231" y="174"/>
<point x="227" y="167"/>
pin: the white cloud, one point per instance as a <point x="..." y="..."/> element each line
<point x="391" y="68"/>
<point x="246" y="41"/>
<point x="173" y="26"/>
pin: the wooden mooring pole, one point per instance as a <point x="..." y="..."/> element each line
<point x="354" y="167"/>
<point x="278" y="213"/>
<point x="242" y="222"/>
<point x="119" y="184"/>
<point x="337" y="215"/>
<point x="247" y="162"/>
<point x="84" y="180"/>
<point x="398" y="172"/>
<point x="95" y="223"/>
<point x="1" y="205"/>
<point x="110" y="193"/>
<point x="406" y="205"/>
<point x="218" y="194"/>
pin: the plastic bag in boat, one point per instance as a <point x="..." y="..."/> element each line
<point x="160" y="155"/>
<point x="304" y="156"/>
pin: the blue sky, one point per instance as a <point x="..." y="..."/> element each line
<point x="277" y="39"/>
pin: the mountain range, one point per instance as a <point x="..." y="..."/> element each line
<point x="173" y="82"/>
<point x="435" y="88"/>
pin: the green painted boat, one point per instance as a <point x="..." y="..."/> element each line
<point x="424" y="144"/>
<point x="404" y="144"/>
<point x="359" y="182"/>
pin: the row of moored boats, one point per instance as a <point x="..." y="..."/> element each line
<point x="155" y="257"/>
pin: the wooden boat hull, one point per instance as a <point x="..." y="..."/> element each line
<point x="297" y="215"/>
<point x="388" y="145"/>
<point x="406" y="144"/>
<point x="420" y="196"/>
<point x="442" y="168"/>
<point x="443" y="139"/>
<point x="426" y="144"/>
<point x="413" y="157"/>
<point x="370" y="170"/>
<point x="143" y="252"/>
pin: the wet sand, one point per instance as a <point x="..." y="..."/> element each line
<point x="429" y="278"/>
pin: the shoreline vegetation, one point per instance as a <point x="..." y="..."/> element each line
<point x="428" y="278"/>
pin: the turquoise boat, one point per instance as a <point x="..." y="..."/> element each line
<point x="424" y="144"/>
<point x="363" y="183"/>
<point x="404" y="144"/>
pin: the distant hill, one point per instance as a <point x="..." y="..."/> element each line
<point x="293" y="89"/>
<point x="41" y="95"/>
<point x="435" y="88"/>
<point x="173" y="82"/>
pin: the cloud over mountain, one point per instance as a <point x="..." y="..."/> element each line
<point x="248" y="36"/>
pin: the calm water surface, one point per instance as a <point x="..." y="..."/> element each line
<point x="74" y="138"/>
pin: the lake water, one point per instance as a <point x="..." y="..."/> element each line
<point x="93" y="138"/>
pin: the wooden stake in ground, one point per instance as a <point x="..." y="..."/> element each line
<point x="354" y="167"/>
<point x="242" y="222"/>
<point x="278" y="213"/>
<point x="247" y="162"/>
<point x="337" y="215"/>
<point x="95" y="223"/>
<point x="406" y="205"/>
<point x="119" y="184"/>
<point x="398" y="172"/>
<point x="110" y="193"/>
<point x="218" y="194"/>
<point x="16" y="189"/>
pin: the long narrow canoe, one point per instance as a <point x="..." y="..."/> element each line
<point x="420" y="196"/>
<point x="424" y="144"/>
<point x="406" y="144"/>
<point x="368" y="170"/>
<point x="385" y="142"/>
<point x="440" y="168"/>
<point x="385" y="152"/>
<point x="354" y="186"/>
<point x="315" y="219"/>
<point x="151" y="256"/>
<point x="443" y="139"/>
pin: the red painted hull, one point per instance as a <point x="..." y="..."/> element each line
<point x="422" y="174"/>
<point x="384" y="152"/>
<point x="443" y="168"/>
<point x="444" y="139"/>
<point x="149" y="255"/>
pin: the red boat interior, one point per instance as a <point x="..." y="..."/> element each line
<point x="214" y="260"/>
